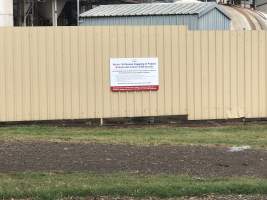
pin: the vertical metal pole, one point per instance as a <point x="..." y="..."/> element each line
<point x="33" y="13"/>
<point x="54" y="12"/>
<point x="78" y="12"/>
<point x="24" y="15"/>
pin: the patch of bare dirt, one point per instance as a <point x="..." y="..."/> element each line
<point x="106" y="158"/>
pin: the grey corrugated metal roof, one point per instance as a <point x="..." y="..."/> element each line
<point x="178" y="8"/>
<point x="260" y="2"/>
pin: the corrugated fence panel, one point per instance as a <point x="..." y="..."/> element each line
<point x="2" y="77"/>
<point x="90" y="61"/>
<point x="82" y="54"/>
<point x="63" y="73"/>
<point x="197" y="76"/>
<point x="152" y="31"/>
<point x="167" y="68"/>
<point x="160" y="47"/>
<point x="233" y="76"/>
<point x="176" y="71"/>
<point x="190" y="74"/>
<point x="219" y="74"/>
<point x="262" y="73"/>
<point x="144" y="53"/>
<point x="212" y="75"/>
<point x="105" y="57"/>
<point x="137" y="37"/>
<point x="240" y="74"/>
<point x="182" y="93"/>
<point x="255" y="74"/>
<point x="227" y="74"/>
<point x="9" y="73"/>
<point x="205" y="84"/>
<point x="129" y="42"/>
<point x="248" y="74"/>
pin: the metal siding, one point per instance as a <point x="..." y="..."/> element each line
<point x="262" y="8"/>
<point x="146" y="9"/>
<point x="63" y="73"/>
<point x="211" y="15"/>
<point x="189" y="20"/>
<point x="214" y="20"/>
<point x="260" y="2"/>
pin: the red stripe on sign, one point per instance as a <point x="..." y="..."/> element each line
<point x="135" y="88"/>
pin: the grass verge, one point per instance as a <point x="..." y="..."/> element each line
<point x="59" y="185"/>
<point x="253" y="135"/>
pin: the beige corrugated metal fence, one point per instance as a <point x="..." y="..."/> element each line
<point x="63" y="73"/>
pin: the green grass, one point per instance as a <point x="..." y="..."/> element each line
<point x="253" y="135"/>
<point x="57" y="185"/>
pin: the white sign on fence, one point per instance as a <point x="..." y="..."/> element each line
<point x="134" y="74"/>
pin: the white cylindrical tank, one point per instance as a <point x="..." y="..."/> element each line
<point x="6" y="12"/>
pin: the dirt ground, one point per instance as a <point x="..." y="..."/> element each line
<point x="105" y="158"/>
